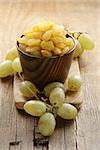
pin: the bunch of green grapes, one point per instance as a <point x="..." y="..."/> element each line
<point x="11" y="64"/>
<point x="55" y="94"/>
<point x="38" y="107"/>
<point x="83" y="42"/>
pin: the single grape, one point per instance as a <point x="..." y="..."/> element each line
<point x="12" y="54"/>
<point x="47" y="124"/>
<point x="49" y="87"/>
<point x="28" y="89"/>
<point x="86" y="41"/>
<point x="33" y="42"/>
<point x="47" y="45"/>
<point x="34" y="35"/>
<point x="35" y="107"/>
<point x="78" y="49"/>
<point x="67" y="111"/>
<point x="74" y="83"/>
<point x="57" y="97"/>
<point x="45" y="26"/>
<point x="46" y="53"/>
<point x="47" y="35"/>
<point x="17" y="65"/>
<point x="6" y="68"/>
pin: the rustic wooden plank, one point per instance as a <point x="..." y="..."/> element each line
<point x="81" y="16"/>
<point x="7" y="112"/>
<point x="19" y="99"/>
<point x="16" y="129"/>
<point x="88" y="122"/>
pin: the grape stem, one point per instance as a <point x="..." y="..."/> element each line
<point x="49" y="108"/>
<point x="28" y="87"/>
<point x="54" y="111"/>
<point x="44" y="99"/>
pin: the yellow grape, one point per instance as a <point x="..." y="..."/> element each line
<point x="78" y="49"/>
<point x="49" y="87"/>
<point x="28" y="89"/>
<point x="36" y="53"/>
<point x="34" y="50"/>
<point x="47" y="124"/>
<point x="35" y="107"/>
<point x="86" y="41"/>
<point x="45" y="26"/>
<point x="16" y="65"/>
<point x="59" y="39"/>
<point x="74" y="83"/>
<point x="57" y="51"/>
<point x="46" y="53"/>
<point x="47" y="45"/>
<point x="47" y="35"/>
<point x="67" y="111"/>
<point x="57" y="97"/>
<point x="61" y="45"/>
<point x="32" y="35"/>
<point x="6" y="68"/>
<point x="12" y="54"/>
<point x="33" y="42"/>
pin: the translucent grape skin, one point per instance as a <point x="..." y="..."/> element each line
<point x="67" y="111"/>
<point x="47" y="124"/>
<point x="17" y="65"/>
<point x="6" y="68"/>
<point x="49" y="87"/>
<point x="57" y="97"/>
<point x="86" y="41"/>
<point x="28" y="89"/>
<point x="78" y="49"/>
<point x="35" y="108"/>
<point x="12" y="54"/>
<point x="74" y="83"/>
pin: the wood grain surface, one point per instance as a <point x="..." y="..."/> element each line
<point x="16" y="128"/>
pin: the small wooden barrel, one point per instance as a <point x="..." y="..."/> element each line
<point x="42" y="70"/>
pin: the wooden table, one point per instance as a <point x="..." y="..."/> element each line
<point x="16" y="128"/>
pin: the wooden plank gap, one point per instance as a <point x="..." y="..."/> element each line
<point x="39" y="140"/>
<point x="15" y="145"/>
